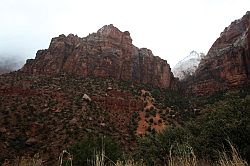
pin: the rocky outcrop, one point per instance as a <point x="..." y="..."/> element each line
<point x="227" y="64"/>
<point x="107" y="53"/>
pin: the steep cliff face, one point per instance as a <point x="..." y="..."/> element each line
<point x="107" y="53"/>
<point x="227" y="63"/>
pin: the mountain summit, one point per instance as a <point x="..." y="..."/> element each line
<point x="107" y="53"/>
<point x="226" y="64"/>
<point x="188" y="65"/>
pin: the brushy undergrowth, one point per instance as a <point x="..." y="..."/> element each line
<point x="185" y="158"/>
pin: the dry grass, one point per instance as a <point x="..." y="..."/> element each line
<point x="99" y="159"/>
<point x="188" y="158"/>
<point x="185" y="158"/>
<point x="129" y="163"/>
<point x="69" y="158"/>
<point x="231" y="160"/>
<point x="36" y="160"/>
<point x="28" y="161"/>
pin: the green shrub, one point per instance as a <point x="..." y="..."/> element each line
<point x="86" y="150"/>
<point x="208" y="135"/>
<point x="227" y="120"/>
<point x="155" y="148"/>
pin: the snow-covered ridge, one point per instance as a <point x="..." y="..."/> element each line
<point x="188" y="65"/>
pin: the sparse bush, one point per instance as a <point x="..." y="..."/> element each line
<point x="153" y="111"/>
<point x="227" y="120"/>
<point x="85" y="150"/>
<point x="155" y="148"/>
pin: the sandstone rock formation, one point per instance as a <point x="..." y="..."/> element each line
<point x="107" y="53"/>
<point x="227" y="64"/>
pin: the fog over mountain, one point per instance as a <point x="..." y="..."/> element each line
<point x="10" y="63"/>
<point x="169" y="28"/>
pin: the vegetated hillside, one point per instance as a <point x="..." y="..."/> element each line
<point x="45" y="114"/>
<point x="227" y="63"/>
<point x="221" y="120"/>
<point x="187" y="66"/>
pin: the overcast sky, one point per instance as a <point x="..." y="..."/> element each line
<point x="170" y="28"/>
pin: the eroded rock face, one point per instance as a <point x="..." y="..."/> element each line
<point x="107" y="53"/>
<point x="227" y="63"/>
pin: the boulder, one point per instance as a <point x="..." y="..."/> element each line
<point x="86" y="97"/>
<point x="31" y="141"/>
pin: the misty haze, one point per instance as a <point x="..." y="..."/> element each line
<point x="10" y="63"/>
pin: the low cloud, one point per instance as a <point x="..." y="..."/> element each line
<point x="10" y="63"/>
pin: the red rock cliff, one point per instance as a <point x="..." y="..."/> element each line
<point x="227" y="63"/>
<point x="107" y="53"/>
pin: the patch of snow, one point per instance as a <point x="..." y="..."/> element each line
<point x="188" y="65"/>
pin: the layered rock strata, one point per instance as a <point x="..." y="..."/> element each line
<point x="107" y="53"/>
<point x="227" y="64"/>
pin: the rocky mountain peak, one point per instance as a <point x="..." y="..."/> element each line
<point x="112" y="32"/>
<point x="188" y="65"/>
<point x="107" y="53"/>
<point x="227" y="63"/>
<point x="234" y="30"/>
